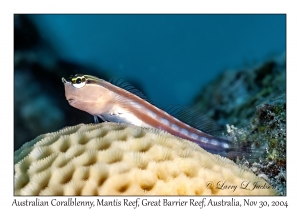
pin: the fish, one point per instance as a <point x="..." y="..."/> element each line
<point x="118" y="101"/>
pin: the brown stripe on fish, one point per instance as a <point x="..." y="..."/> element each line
<point x="123" y="103"/>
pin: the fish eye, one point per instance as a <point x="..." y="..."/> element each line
<point x="78" y="81"/>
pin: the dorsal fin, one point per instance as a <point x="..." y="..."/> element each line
<point x="185" y="114"/>
<point x="126" y="86"/>
<point x="194" y="119"/>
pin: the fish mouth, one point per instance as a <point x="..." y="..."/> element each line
<point x="70" y="100"/>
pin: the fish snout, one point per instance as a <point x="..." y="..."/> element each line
<point x="65" y="81"/>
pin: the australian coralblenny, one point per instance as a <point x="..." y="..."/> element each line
<point x="119" y="102"/>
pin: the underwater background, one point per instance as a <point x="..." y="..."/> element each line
<point x="168" y="57"/>
<point x="230" y="67"/>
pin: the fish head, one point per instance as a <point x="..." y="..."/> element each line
<point x="86" y="93"/>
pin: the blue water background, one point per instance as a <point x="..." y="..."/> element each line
<point x="171" y="56"/>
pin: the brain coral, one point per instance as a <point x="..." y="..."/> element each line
<point x="113" y="159"/>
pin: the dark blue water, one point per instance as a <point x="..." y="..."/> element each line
<point x="171" y="56"/>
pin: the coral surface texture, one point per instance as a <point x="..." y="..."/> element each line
<point x="119" y="159"/>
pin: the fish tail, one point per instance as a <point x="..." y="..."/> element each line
<point x="228" y="148"/>
<point x="240" y="150"/>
